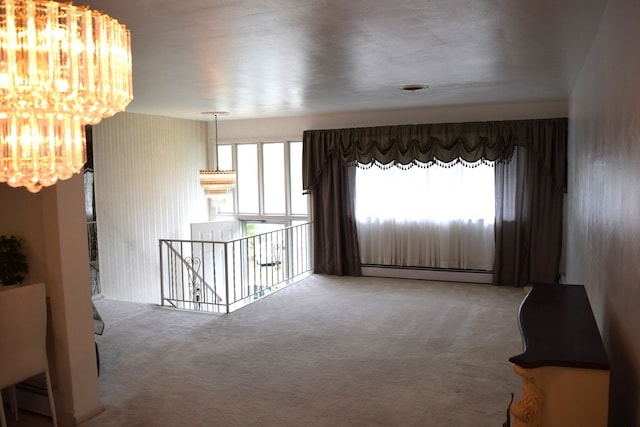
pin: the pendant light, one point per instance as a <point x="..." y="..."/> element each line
<point x="217" y="184"/>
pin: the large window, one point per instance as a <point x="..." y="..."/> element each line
<point x="248" y="190"/>
<point x="269" y="185"/>
<point x="437" y="194"/>
<point x="438" y="217"/>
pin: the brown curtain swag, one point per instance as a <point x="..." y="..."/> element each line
<point x="444" y="143"/>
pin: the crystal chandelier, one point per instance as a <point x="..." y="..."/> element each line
<point x="217" y="184"/>
<point x="61" y="67"/>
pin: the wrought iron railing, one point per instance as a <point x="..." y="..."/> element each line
<point x="222" y="276"/>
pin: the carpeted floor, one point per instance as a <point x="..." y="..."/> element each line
<point x="327" y="351"/>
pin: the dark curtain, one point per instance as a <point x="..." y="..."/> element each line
<point x="335" y="240"/>
<point x="510" y="244"/>
<point x="529" y="198"/>
<point x="528" y="210"/>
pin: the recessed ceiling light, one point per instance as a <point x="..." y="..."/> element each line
<point x="413" y="87"/>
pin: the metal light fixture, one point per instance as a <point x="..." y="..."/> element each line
<point x="61" y="67"/>
<point x="217" y="184"/>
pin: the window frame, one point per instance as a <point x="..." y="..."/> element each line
<point x="287" y="218"/>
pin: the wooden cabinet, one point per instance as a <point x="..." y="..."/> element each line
<point x="564" y="366"/>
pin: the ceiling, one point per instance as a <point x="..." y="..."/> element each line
<point x="274" y="58"/>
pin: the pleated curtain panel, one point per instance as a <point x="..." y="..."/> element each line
<point x="530" y="179"/>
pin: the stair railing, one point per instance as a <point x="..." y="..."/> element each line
<point x="221" y="276"/>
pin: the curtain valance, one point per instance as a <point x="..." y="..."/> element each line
<point x="442" y="142"/>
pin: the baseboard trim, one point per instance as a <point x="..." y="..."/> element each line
<point x="441" y="275"/>
<point x="80" y="418"/>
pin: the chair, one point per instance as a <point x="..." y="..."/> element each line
<point x="23" y="339"/>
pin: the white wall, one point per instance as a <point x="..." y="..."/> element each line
<point x="147" y="188"/>
<point x="291" y="128"/>
<point x="603" y="247"/>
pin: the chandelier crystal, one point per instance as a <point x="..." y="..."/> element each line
<point x="61" y="67"/>
<point x="217" y="184"/>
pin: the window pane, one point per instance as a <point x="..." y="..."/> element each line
<point x="255" y="228"/>
<point x="225" y="161"/>
<point x="298" y="200"/>
<point x="247" y="188"/>
<point x="273" y="178"/>
<point x="440" y="217"/>
<point x="435" y="193"/>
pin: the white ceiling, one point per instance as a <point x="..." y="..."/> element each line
<point x="268" y="58"/>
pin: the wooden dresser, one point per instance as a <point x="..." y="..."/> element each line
<point x="564" y="366"/>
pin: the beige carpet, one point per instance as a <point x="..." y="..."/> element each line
<point x="327" y="351"/>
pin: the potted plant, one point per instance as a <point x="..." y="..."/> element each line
<point x="13" y="263"/>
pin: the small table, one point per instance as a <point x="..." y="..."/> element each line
<point x="564" y="364"/>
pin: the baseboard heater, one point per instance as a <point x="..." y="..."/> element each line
<point x="425" y="273"/>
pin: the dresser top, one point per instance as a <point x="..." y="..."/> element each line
<point x="558" y="329"/>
